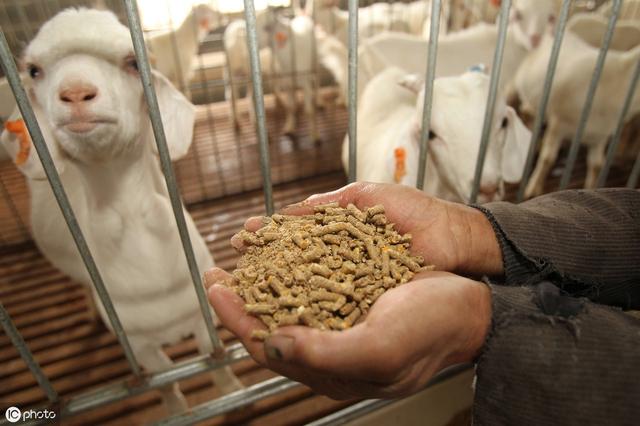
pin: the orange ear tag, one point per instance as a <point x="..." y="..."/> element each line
<point x="496" y="3"/>
<point x="400" y="171"/>
<point x="17" y="127"/>
<point x="204" y="24"/>
<point x="281" y="38"/>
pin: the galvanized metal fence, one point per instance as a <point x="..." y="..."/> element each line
<point x="234" y="353"/>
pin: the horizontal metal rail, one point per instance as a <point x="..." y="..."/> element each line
<point x="496" y="68"/>
<point x="10" y="70"/>
<point x="591" y="93"/>
<point x="368" y="406"/>
<point x="125" y="389"/>
<point x="231" y="402"/>
<point x="135" y="28"/>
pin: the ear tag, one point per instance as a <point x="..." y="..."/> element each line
<point x="281" y="38"/>
<point x="400" y="170"/>
<point x="496" y="3"/>
<point x="204" y="24"/>
<point x="18" y="128"/>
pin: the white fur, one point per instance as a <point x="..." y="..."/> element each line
<point x="578" y="56"/>
<point x="413" y="18"/>
<point x="237" y="69"/>
<point x="113" y="180"/>
<point x="292" y="41"/>
<point x="174" y="50"/>
<point x="390" y="116"/>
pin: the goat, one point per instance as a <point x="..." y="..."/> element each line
<point x="174" y="50"/>
<point x="578" y="56"/>
<point x="86" y="93"/>
<point x="389" y="132"/>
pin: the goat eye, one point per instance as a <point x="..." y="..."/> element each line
<point x="132" y="64"/>
<point x="34" y="71"/>
<point x="505" y="123"/>
<point x="432" y="135"/>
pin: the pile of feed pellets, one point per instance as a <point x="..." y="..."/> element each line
<point x="323" y="270"/>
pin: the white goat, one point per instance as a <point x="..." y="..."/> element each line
<point x="413" y="18"/>
<point x="87" y="96"/>
<point x="389" y="129"/>
<point x="294" y="60"/>
<point x="459" y="51"/>
<point x="174" y="50"/>
<point x="577" y="59"/>
<point x="238" y="70"/>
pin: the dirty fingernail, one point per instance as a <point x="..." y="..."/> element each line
<point x="279" y="347"/>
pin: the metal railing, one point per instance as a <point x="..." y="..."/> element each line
<point x="276" y="385"/>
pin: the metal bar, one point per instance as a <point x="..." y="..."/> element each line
<point x="25" y="353"/>
<point x="593" y="86"/>
<point x="165" y="162"/>
<point x="231" y="402"/>
<point x="363" y="408"/>
<point x="210" y="122"/>
<point x="353" y="89"/>
<point x="546" y="93"/>
<point x="615" y="141"/>
<point x="635" y="174"/>
<point x="122" y="390"/>
<point x="258" y="100"/>
<point x="428" y="91"/>
<point x="9" y="68"/>
<point x="491" y="101"/>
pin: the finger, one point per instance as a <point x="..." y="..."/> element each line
<point x="254" y="223"/>
<point x="229" y="308"/>
<point x="237" y="242"/>
<point x="217" y="276"/>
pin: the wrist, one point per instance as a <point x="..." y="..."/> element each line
<point x="481" y="253"/>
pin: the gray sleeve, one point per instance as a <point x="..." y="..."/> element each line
<point x="585" y="242"/>
<point x="550" y="358"/>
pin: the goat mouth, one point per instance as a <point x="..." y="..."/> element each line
<point x="84" y="126"/>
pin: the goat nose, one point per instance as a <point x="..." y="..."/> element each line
<point x="535" y="40"/>
<point x="78" y="93"/>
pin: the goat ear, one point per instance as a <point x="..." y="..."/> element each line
<point x="17" y="142"/>
<point x="412" y="82"/>
<point x="515" y="149"/>
<point x="178" y="116"/>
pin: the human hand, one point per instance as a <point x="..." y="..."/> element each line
<point x="411" y="332"/>
<point x="451" y="236"/>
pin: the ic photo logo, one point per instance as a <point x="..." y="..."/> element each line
<point x="13" y="414"/>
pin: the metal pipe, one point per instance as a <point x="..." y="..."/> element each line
<point x="135" y="29"/>
<point x="591" y="92"/>
<point x="353" y="89"/>
<point x="546" y="92"/>
<point x="428" y="91"/>
<point x="9" y="68"/>
<point x="118" y="391"/>
<point x="358" y="410"/>
<point x="258" y="100"/>
<point x="210" y="123"/>
<point x="231" y="402"/>
<point x="496" y="68"/>
<point x="635" y="174"/>
<point x="615" y="141"/>
<point x="25" y="353"/>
